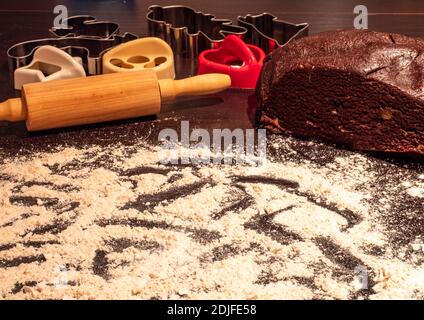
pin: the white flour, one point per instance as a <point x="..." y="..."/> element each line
<point x="97" y="232"/>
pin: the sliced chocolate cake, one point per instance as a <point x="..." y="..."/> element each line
<point x="357" y="88"/>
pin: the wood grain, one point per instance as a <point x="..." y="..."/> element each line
<point x="79" y="101"/>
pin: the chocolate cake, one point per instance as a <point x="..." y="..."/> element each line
<point x="357" y="88"/>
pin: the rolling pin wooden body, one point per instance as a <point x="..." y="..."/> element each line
<point x="79" y="101"/>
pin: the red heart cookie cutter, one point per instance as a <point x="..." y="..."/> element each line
<point x="242" y="62"/>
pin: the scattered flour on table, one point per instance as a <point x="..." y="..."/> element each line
<point x="113" y="223"/>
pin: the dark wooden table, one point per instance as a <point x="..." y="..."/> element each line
<point x="26" y="19"/>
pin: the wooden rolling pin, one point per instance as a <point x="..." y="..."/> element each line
<point x="65" y="103"/>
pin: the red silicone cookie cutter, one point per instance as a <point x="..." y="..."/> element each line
<point x="242" y="62"/>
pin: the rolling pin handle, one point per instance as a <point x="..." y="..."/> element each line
<point x="195" y="86"/>
<point x="12" y="110"/>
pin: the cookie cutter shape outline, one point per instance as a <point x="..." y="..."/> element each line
<point x="241" y="61"/>
<point x="268" y="32"/>
<point x="86" y="26"/>
<point x="90" y="50"/>
<point x="89" y="47"/>
<point x="145" y="53"/>
<point x="50" y="63"/>
<point x="189" y="32"/>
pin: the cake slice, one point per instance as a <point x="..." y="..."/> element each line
<point x="356" y="88"/>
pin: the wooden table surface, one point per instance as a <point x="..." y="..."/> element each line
<point x="27" y="19"/>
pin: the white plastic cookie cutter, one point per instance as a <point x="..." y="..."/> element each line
<point x="146" y="53"/>
<point x="49" y="63"/>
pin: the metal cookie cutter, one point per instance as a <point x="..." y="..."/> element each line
<point x="90" y="48"/>
<point x="145" y="53"/>
<point x="86" y="26"/>
<point x="50" y="63"/>
<point x="268" y="32"/>
<point x="189" y="32"/>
